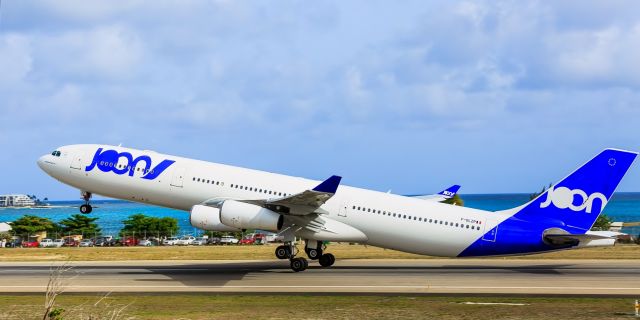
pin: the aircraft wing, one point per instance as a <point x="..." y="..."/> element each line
<point x="303" y="203"/>
<point x="440" y="196"/>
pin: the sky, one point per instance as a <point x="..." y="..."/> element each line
<point x="407" y="96"/>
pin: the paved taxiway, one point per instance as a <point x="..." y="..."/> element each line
<point x="442" y="276"/>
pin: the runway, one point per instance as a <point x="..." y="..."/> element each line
<point x="442" y="276"/>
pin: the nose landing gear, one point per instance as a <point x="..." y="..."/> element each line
<point x="86" y="208"/>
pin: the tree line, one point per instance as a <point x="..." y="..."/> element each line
<point x="86" y="225"/>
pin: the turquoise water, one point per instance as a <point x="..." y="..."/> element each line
<point x="622" y="207"/>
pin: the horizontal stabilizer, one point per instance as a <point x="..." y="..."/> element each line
<point x="560" y="238"/>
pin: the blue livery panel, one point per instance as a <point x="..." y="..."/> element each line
<point x="107" y="160"/>
<point x="573" y="205"/>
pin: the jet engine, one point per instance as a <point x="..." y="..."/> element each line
<point x="248" y="216"/>
<point x="208" y="218"/>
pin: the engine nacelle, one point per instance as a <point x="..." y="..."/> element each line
<point x="208" y="218"/>
<point x="248" y="216"/>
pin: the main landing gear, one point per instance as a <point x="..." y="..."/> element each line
<point x="289" y="251"/>
<point x="86" y="207"/>
<point x="314" y="251"/>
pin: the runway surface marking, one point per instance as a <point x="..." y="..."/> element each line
<point x="329" y="287"/>
<point x="610" y="277"/>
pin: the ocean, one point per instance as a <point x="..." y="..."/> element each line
<point x="624" y="206"/>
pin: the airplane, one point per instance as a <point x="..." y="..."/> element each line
<point x="443" y="195"/>
<point x="220" y="197"/>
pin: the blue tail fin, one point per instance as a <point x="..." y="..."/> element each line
<point x="577" y="200"/>
<point x="450" y="192"/>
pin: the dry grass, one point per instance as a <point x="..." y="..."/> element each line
<point x="207" y="306"/>
<point x="343" y="251"/>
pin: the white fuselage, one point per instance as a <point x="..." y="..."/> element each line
<point x="387" y="220"/>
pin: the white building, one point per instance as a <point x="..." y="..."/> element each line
<point x="4" y="227"/>
<point x="16" y="200"/>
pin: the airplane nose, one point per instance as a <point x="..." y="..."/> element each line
<point x="41" y="163"/>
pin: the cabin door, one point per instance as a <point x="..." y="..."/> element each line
<point x="490" y="235"/>
<point x="76" y="162"/>
<point x="343" y="209"/>
<point x="178" y="177"/>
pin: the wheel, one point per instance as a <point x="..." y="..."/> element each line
<point x="283" y="252"/>
<point x="314" y="254"/>
<point x="327" y="260"/>
<point x="86" y="208"/>
<point x="299" y="264"/>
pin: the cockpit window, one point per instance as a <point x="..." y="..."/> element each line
<point x="55" y="153"/>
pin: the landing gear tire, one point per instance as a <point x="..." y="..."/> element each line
<point x="327" y="260"/>
<point x="86" y="208"/>
<point x="314" y="254"/>
<point x="299" y="264"/>
<point x="283" y="252"/>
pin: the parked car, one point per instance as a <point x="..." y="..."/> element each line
<point x="185" y="241"/>
<point x="199" y="241"/>
<point x="57" y="243"/>
<point x="30" y="244"/>
<point x="170" y="241"/>
<point x="247" y="240"/>
<point x="70" y="242"/>
<point x="146" y="242"/>
<point x="213" y="240"/>
<point x="45" y="243"/>
<point x="228" y="240"/>
<point x="15" y="243"/>
<point x="129" y="241"/>
<point x="105" y="242"/>
<point x="86" y="243"/>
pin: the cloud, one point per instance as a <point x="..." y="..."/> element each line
<point x="101" y="53"/>
<point x="309" y="88"/>
<point x="15" y="59"/>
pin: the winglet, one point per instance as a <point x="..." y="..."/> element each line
<point x="330" y="185"/>
<point x="450" y="192"/>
